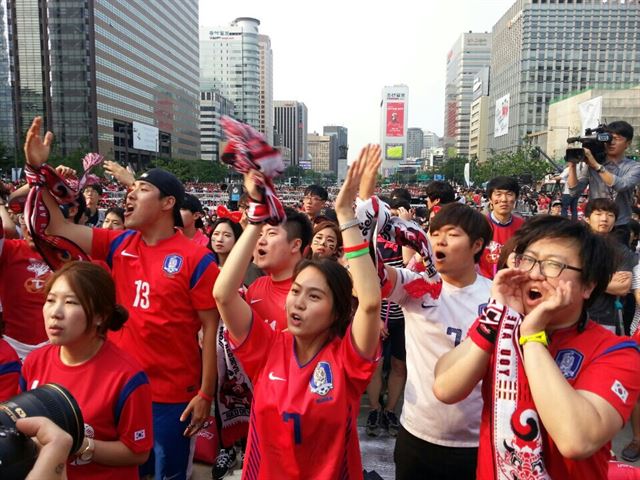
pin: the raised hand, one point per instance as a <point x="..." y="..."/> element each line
<point x="36" y="149"/>
<point x="556" y="298"/>
<point x="507" y="288"/>
<point x="372" y="159"/>
<point x="253" y="180"/>
<point x="121" y="174"/>
<point x="349" y="189"/>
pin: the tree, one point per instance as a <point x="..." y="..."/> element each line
<point x="524" y="161"/>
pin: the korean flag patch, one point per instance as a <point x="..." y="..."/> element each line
<point x="620" y="391"/>
<point x="139" y="435"/>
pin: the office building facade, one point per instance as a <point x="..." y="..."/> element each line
<point x="544" y="50"/>
<point x="322" y="152"/>
<point x="415" y="142"/>
<point x="113" y="76"/>
<point x="230" y="59"/>
<point x="342" y="139"/>
<point x="266" y="88"/>
<point x="213" y="105"/>
<point x="479" y="117"/>
<point x="468" y="55"/>
<point x="291" y="126"/>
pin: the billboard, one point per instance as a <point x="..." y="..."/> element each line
<point x="145" y="137"/>
<point x="394" y="151"/>
<point x="395" y="119"/>
<point x="501" y="126"/>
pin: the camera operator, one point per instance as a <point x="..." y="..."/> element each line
<point x="615" y="179"/>
<point x="55" y="446"/>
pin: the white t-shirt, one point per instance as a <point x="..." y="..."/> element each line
<point x="432" y="328"/>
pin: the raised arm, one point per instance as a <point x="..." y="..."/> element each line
<point x="36" y="150"/>
<point x="459" y="370"/>
<point x="366" y="322"/>
<point x="234" y="311"/>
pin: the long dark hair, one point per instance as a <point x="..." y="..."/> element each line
<point x="341" y="288"/>
<point x="236" y="228"/>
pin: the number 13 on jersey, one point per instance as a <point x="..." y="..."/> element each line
<point x="142" y="295"/>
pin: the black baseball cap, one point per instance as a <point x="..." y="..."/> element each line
<point x="192" y="204"/>
<point x="170" y="186"/>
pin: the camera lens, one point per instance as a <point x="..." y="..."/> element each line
<point x="17" y="453"/>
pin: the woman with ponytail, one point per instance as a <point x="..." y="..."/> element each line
<point x="109" y="385"/>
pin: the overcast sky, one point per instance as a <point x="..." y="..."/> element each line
<point x="335" y="56"/>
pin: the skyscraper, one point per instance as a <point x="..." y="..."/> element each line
<point x="544" y="50"/>
<point x="479" y="118"/>
<point x="230" y="63"/>
<point x="6" y="103"/>
<point x="415" y="142"/>
<point x="213" y="105"/>
<point x="111" y="76"/>
<point x="394" y="114"/>
<point x="470" y="53"/>
<point x="291" y="124"/>
<point x="340" y="146"/>
<point x="266" y="88"/>
<point x="322" y="152"/>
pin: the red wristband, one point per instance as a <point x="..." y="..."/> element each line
<point x="480" y="335"/>
<point x="204" y="396"/>
<point x="355" y="248"/>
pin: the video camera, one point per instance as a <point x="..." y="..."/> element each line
<point x="595" y="140"/>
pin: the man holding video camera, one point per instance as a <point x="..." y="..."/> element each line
<point x="615" y="178"/>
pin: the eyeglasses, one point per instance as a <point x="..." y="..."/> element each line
<point x="313" y="198"/>
<point x="548" y="268"/>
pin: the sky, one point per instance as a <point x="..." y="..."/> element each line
<point x="336" y="56"/>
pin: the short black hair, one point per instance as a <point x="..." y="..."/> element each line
<point x="94" y="186"/>
<point x="299" y="226"/>
<point x="604" y="204"/>
<point x="316" y="190"/>
<point x="401" y="193"/>
<point x="116" y="211"/>
<point x="621" y="128"/>
<point x="595" y="250"/>
<point x="474" y="224"/>
<point x="509" y="184"/>
<point x="439" y="190"/>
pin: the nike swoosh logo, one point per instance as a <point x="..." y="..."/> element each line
<point x="427" y="305"/>
<point x="172" y="476"/>
<point x="255" y="300"/>
<point x="273" y="377"/>
<point x="127" y="254"/>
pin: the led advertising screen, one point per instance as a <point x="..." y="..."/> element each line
<point x="395" y="119"/>
<point x="145" y="137"/>
<point x="394" y="151"/>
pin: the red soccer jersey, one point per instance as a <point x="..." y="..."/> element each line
<point x="114" y="396"/>
<point x="9" y="371"/>
<point x="491" y="253"/>
<point x="304" y="417"/>
<point x="24" y="274"/>
<point x="596" y="361"/>
<point x="163" y="287"/>
<point x="268" y="299"/>
<point x="200" y="238"/>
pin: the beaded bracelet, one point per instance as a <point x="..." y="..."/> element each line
<point x="351" y="223"/>
<point x="355" y="248"/>
<point x="359" y="253"/>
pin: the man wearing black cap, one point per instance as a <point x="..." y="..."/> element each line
<point x="165" y="282"/>
<point x="192" y="213"/>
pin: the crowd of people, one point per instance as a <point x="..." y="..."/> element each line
<point x="489" y="344"/>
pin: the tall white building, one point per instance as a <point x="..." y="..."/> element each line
<point x="322" y="152"/>
<point x="230" y="64"/>
<point x="212" y="106"/>
<point x="291" y="127"/>
<point x="266" y="88"/>
<point x="470" y="53"/>
<point x="394" y="115"/>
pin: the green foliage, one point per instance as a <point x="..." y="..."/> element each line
<point x="194" y="170"/>
<point x="453" y="169"/>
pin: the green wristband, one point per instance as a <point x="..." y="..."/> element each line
<point x="356" y="254"/>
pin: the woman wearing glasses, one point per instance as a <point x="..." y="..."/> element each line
<point x="557" y="387"/>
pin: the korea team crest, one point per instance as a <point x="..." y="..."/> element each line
<point x="569" y="362"/>
<point x="321" y="381"/>
<point x="172" y="264"/>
